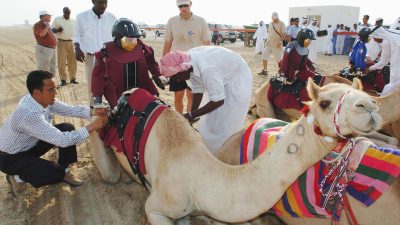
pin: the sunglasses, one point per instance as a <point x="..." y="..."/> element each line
<point x="183" y="6"/>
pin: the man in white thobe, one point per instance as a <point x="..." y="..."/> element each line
<point x="261" y="36"/>
<point x="226" y="77"/>
<point x="390" y="54"/>
<point x="312" y="54"/>
<point x="327" y="48"/>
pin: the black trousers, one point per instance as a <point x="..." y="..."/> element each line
<point x="35" y="170"/>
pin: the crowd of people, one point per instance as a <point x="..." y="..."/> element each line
<point x="216" y="81"/>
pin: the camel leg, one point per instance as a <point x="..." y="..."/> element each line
<point x="123" y="161"/>
<point x="154" y="214"/>
<point x="264" y="108"/>
<point x="184" y="221"/>
<point x="104" y="159"/>
<point x="381" y="143"/>
<point x="229" y="151"/>
<point x="383" y="138"/>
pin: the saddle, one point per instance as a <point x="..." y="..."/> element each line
<point x="133" y="119"/>
<point x="374" y="80"/>
<point x="282" y="84"/>
<point x="374" y="169"/>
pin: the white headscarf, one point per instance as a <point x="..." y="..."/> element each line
<point x="396" y="24"/>
<point x="392" y="36"/>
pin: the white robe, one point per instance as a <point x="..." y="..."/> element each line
<point x="261" y="35"/>
<point x="225" y="76"/>
<point x="396" y="24"/>
<point x="390" y="53"/>
<point x="340" y="42"/>
<point x="312" y="55"/>
<point x="373" y="49"/>
<point x="327" y="48"/>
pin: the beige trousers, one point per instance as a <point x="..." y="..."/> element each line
<point x="66" y="53"/>
<point x="46" y="59"/>
<point x="89" y="64"/>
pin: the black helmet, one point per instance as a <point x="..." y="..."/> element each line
<point x="125" y="28"/>
<point x="304" y="37"/>
<point x="364" y="33"/>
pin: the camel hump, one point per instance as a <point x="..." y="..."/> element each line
<point x="259" y="136"/>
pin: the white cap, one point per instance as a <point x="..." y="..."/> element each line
<point x="314" y="20"/>
<point x="182" y="2"/>
<point x="275" y="15"/>
<point x="44" y="12"/>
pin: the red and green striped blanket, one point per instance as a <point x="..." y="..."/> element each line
<point x="375" y="171"/>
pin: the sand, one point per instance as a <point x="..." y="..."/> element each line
<point x="94" y="202"/>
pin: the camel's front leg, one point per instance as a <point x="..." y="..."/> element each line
<point x="164" y="210"/>
<point x="154" y="214"/>
<point x="104" y="159"/>
<point x="381" y="137"/>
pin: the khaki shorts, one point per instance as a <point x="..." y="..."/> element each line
<point x="270" y="50"/>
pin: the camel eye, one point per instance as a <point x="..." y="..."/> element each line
<point x="324" y="104"/>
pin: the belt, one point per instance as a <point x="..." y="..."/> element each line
<point x="47" y="46"/>
<point x="92" y="54"/>
<point x="4" y="153"/>
<point x="63" y="40"/>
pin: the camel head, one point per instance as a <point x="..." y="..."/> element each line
<point x="343" y="110"/>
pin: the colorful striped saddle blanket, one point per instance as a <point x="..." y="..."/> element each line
<point x="376" y="168"/>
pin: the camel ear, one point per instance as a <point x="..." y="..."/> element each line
<point x="357" y="84"/>
<point x="313" y="89"/>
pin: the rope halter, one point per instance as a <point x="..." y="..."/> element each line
<point x="336" y="115"/>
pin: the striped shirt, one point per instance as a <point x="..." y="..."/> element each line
<point x="31" y="122"/>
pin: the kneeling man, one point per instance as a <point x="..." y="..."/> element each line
<point x="28" y="134"/>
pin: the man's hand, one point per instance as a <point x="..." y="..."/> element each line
<point x="366" y="71"/>
<point x="96" y="123"/>
<point x="60" y="29"/>
<point x="189" y="117"/>
<point x="158" y="82"/>
<point x="80" y="56"/>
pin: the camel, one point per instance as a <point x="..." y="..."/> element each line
<point x="186" y="178"/>
<point x="377" y="213"/>
<point x="391" y="117"/>
<point x="263" y="108"/>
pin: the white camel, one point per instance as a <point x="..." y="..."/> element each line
<point x="262" y="107"/>
<point x="186" y="178"/>
<point x="383" y="211"/>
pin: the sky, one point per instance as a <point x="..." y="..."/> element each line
<point x="233" y="12"/>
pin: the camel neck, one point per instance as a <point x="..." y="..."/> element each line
<point x="269" y="175"/>
<point x="387" y="104"/>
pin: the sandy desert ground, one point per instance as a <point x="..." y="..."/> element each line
<point x="94" y="202"/>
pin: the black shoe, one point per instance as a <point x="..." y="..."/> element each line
<point x="263" y="72"/>
<point x="63" y="83"/>
<point x="74" y="81"/>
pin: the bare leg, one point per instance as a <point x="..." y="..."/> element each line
<point x="189" y="97"/>
<point x="178" y="101"/>
<point x="265" y="65"/>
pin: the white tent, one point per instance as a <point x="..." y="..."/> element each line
<point x="335" y="14"/>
